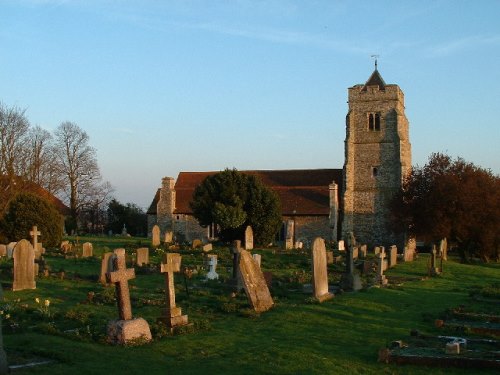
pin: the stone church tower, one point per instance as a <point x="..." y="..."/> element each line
<point x="377" y="158"/>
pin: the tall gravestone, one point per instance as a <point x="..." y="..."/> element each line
<point x="254" y="283"/>
<point x="155" y="236"/>
<point x="125" y="329"/>
<point x="142" y="256"/>
<point x="87" y="250"/>
<point x="341" y="245"/>
<point x="289" y="235"/>
<point x="172" y="314"/>
<point x="434" y="269"/>
<point x="169" y="237"/>
<point x="106" y="267"/>
<point x="320" y="271"/>
<point x="443" y="249"/>
<point x="212" y="263"/>
<point x="381" y="279"/>
<point x="363" y="250"/>
<point x="393" y="256"/>
<point x="249" y="238"/>
<point x="24" y="266"/>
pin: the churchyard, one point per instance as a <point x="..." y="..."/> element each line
<point x="402" y="318"/>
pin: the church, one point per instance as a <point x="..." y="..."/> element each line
<point x="328" y="203"/>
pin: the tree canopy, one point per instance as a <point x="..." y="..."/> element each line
<point x="232" y="200"/>
<point x="27" y="210"/>
<point x="453" y="199"/>
<point x="130" y="215"/>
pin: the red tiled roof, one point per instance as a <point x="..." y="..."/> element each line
<point x="301" y="191"/>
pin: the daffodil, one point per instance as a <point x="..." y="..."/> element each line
<point x="47" y="303"/>
<point x="37" y="300"/>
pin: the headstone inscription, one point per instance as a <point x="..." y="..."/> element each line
<point x="142" y="256"/>
<point x="249" y="238"/>
<point x="155" y="236"/>
<point x="87" y="250"/>
<point x="172" y="314"/>
<point x="212" y="263"/>
<point x="254" y="283"/>
<point x="24" y="266"/>
<point x="125" y="329"/>
<point x="320" y="271"/>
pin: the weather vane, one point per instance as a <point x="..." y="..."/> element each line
<point x="375" y="57"/>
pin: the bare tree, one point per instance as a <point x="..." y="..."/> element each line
<point x="77" y="163"/>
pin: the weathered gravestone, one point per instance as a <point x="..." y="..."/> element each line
<point x="87" y="250"/>
<point x="257" y="258"/>
<point x="196" y="243"/>
<point x="329" y="257"/>
<point x="289" y="235"/>
<point x="169" y="237"/>
<point x="4" y="367"/>
<point x="125" y="329"/>
<point x="393" y="256"/>
<point x="106" y="266"/>
<point x="363" y="250"/>
<point x="24" y="266"/>
<point x="3" y="250"/>
<point x="155" y="236"/>
<point x="434" y="269"/>
<point x="443" y="249"/>
<point x="355" y="252"/>
<point x="350" y="279"/>
<point x="172" y="314"/>
<point x="66" y="247"/>
<point x="207" y="247"/>
<point x="212" y="263"/>
<point x="341" y="245"/>
<point x="142" y="256"/>
<point x="381" y="279"/>
<point x="248" y="238"/>
<point x="254" y="283"/>
<point x="10" y="248"/>
<point x="376" y="250"/>
<point x="320" y="271"/>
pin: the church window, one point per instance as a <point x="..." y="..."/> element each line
<point x="374" y="121"/>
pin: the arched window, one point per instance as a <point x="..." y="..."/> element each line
<point x="374" y="121"/>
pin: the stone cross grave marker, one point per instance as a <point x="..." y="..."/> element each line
<point x="257" y="258"/>
<point x="381" y="279"/>
<point x="172" y="314"/>
<point x="254" y="283"/>
<point x="106" y="266"/>
<point x="249" y="238"/>
<point x="120" y="277"/>
<point x="320" y="271"/>
<point x="434" y="271"/>
<point x="87" y="250"/>
<point x="393" y="256"/>
<point x="155" y="234"/>
<point x="34" y="233"/>
<point x="142" y="256"/>
<point x="24" y="266"/>
<point x="212" y="263"/>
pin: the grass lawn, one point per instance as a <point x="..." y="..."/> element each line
<point x="298" y="336"/>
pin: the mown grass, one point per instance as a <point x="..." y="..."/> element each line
<point x="297" y="336"/>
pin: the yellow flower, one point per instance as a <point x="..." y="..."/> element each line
<point x="7" y="316"/>
<point x="37" y="300"/>
<point x="47" y="303"/>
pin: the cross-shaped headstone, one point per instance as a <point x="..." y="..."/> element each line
<point x="35" y="233"/>
<point x="173" y="264"/>
<point x="120" y="278"/>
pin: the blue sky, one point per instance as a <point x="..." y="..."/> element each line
<point x="169" y="86"/>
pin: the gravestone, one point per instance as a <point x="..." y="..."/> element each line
<point x="24" y="266"/>
<point x="341" y="246"/>
<point x="299" y="245"/>
<point x="434" y="270"/>
<point x="105" y="267"/>
<point x="125" y="329"/>
<point x="320" y="271"/>
<point x="4" y="366"/>
<point x="381" y="279"/>
<point x="155" y="236"/>
<point x="289" y="237"/>
<point x="34" y="233"/>
<point x="207" y="247"/>
<point x="196" y="243"/>
<point x="124" y="230"/>
<point x="355" y="252"/>
<point x="350" y="279"/>
<point x="87" y="250"/>
<point x="172" y="314"/>
<point x="249" y="238"/>
<point x="257" y="258"/>
<point x="363" y="250"/>
<point x="254" y="283"/>
<point x="3" y="250"/>
<point x="142" y="256"/>
<point x="407" y="254"/>
<point x="393" y="256"/>
<point x="10" y="249"/>
<point x="66" y="247"/>
<point x="212" y="263"/>
<point x="329" y="257"/>
<point x="169" y="237"/>
<point x="443" y="249"/>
